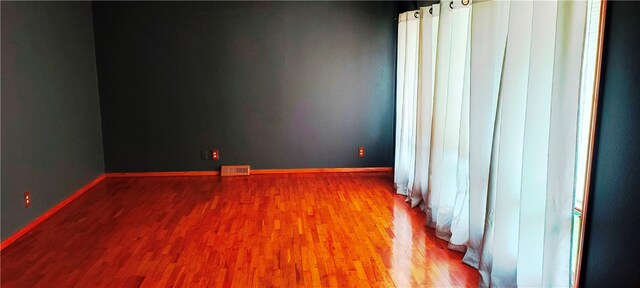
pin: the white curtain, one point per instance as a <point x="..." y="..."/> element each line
<point x="406" y="98"/>
<point x="426" y="76"/>
<point x="446" y="208"/>
<point x="496" y="126"/>
<point x="488" y="39"/>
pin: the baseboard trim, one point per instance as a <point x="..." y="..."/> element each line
<point x="253" y="172"/>
<point x="49" y="213"/>
<point x="321" y="170"/>
<point x="163" y="174"/>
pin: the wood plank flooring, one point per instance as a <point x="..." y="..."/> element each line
<point x="289" y="230"/>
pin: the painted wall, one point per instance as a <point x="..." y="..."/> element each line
<point x="613" y="219"/>
<point x="51" y="139"/>
<point x="270" y="84"/>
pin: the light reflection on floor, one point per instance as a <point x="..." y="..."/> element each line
<point x="402" y="247"/>
<point x="418" y="258"/>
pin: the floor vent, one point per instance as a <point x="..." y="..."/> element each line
<point x="236" y="170"/>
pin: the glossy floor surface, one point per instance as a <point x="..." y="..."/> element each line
<point x="329" y="230"/>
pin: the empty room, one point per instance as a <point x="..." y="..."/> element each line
<point x="465" y="143"/>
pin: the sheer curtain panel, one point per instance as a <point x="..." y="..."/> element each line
<point x="445" y="201"/>
<point x="406" y="98"/>
<point x="488" y="40"/>
<point x="424" y="116"/>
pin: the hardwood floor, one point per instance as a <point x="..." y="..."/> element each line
<point x="329" y="230"/>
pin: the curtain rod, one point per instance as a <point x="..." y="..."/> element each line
<point x="463" y="2"/>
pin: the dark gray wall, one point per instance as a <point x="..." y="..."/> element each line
<point x="270" y="84"/>
<point x="613" y="218"/>
<point x="51" y="140"/>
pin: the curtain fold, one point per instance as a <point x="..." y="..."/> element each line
<point x="536" y="144"/>
<point x="426" y="71"/>
<point x="460" y="222"/>
<point x="503" y="215"/>
<point x="451" y="69"/>
<point x="488" y="41"/>
<point x="562" y="141"/>
<point x="406" y="98"/>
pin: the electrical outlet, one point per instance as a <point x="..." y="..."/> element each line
<point x="361" y="152"/>
<point x="27" y="199"/>
<point x="215" y="154"/>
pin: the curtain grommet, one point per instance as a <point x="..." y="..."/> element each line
<point x="465" y="2"/>
<point x="451" y="5"/>
<point x="416" y="14"/>
<point x="431" y="10"/>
